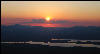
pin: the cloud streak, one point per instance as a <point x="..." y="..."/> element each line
<point x="52" y="21"/>
<point x="36" y="21"/>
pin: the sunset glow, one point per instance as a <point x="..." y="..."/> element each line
<point x="64" y="13"/>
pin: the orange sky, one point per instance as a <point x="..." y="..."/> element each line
<point x="85" y="13"/>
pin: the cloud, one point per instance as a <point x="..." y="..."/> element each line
<point x="52" y="21"/>
<point x="36" y="21"/>
<point x="63" y="22"/>
<point x="59" y="21"/>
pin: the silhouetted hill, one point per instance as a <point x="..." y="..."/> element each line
<point x="37" y="33"/>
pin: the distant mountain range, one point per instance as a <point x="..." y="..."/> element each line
<point x="37" y="33"/>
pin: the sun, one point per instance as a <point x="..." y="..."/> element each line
<point x="47" y="19"/>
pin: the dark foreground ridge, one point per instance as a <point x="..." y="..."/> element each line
<point x="40" y="49"/>
<point x="37" y="33"/>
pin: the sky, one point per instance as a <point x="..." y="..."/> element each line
<point x="60" y="13"/>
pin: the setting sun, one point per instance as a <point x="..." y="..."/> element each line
<point x="48" y="19"/>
